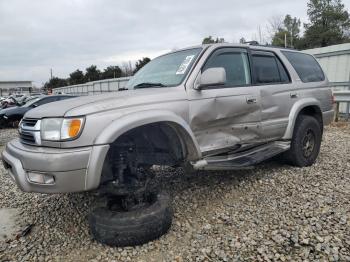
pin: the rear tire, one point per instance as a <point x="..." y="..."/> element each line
<point x="306" y="142"/>
<point x="135" y="227"/>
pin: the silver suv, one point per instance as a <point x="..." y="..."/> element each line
<point x="214" y="107"/>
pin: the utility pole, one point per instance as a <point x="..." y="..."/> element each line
<point x="285" y="40"/>
<point x="50" y="73"/>
<point x="260" y="36"/>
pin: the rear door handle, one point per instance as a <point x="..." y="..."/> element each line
<point x="294" y="95"/>
<point x="251" y="100"/>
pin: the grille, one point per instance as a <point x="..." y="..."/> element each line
<point x="27" y="131"/>
<point x="27" y="137"/>
<point x="28" y="123"/>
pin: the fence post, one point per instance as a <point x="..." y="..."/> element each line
<point x="348" y="104"/>
<point x="336" y="116"/>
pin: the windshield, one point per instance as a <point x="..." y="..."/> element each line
<point x="30" y="102"/>
<point x="164" y="71"/>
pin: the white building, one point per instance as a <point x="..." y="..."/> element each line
<point x="11" y="87"/>
<point x="335" y="61"/>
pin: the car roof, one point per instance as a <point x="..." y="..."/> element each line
<point x="251" y="46"/>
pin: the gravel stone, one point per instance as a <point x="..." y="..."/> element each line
<point x="273" y="212"/>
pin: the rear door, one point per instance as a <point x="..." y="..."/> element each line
<point x="226" y="116"/>
<point x="276" y="91"/>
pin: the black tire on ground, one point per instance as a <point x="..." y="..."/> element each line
<point x="131" y="228"/>
<point x="306" y="142"/>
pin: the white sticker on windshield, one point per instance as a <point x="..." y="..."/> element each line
<point x="183" y="67"/>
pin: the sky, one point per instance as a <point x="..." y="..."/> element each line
<point x="66" y="35"/>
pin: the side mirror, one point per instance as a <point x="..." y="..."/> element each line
<point x="211" y="77"/>
<point x="34" y="105"/>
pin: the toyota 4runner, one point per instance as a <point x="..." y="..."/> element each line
<point x="211" y="107"/>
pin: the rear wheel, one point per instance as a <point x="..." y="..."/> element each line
<point x="306" y="142"/>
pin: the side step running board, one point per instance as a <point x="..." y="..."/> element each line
<point x="242" y="159"/>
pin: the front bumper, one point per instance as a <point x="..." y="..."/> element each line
<point x="74" y="170"/>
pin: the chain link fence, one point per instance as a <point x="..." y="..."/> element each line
<point x="95" y="87"/>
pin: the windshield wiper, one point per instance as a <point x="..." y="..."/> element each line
<point x="145" y="85"/>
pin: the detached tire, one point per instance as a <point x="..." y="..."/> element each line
<point x="131" y="228"/>
<point x="306" y="142"/>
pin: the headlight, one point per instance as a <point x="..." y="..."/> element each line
<point x="58" y="129"/>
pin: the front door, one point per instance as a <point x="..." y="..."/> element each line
<point x="226" y="116"/>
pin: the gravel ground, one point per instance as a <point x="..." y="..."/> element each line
<point x="273" y="212"/>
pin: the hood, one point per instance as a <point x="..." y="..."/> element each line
<point x="93" y="104"/>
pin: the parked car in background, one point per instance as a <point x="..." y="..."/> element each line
<point x="9" y="102"/>
<point x="10" y="117"/>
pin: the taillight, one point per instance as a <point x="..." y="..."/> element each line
<point x="333" y="99"/>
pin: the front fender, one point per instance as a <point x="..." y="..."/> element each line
<point x="297" y="107"/>
<point x="137" y="119"/>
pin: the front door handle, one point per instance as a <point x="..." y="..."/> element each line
<point x="294" y="95"/>
<point x="251" y="100"/>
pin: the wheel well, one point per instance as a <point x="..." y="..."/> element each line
<point x="144" y="146"/>
<point x="315" y="112"/>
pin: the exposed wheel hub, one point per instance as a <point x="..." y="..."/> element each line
<point x="308" y="143"/>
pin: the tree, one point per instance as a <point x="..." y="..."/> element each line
<point x="210" y="40"/>
<point x="76" y="78"/>
<point x="55" y="82"/>
<point x="287" y="33"/>
<point x="139" y="64"/>
<point x="127" y="69"/>
<point x="329" y="24"/>
<point x="242" y="40"/>
<point x="92" y="73"/>
<point x="112" y="72"/>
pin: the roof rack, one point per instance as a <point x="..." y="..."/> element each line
<point x="256" y="43"/>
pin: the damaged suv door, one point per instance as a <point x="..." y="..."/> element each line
<point x="224" y="115"/>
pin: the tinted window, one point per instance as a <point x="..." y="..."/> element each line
<point x="47" y="100"/>
<point x="283" y="73"/>
<point x="64" y="97"/>
<point x="266" y="69"/>
<point x="234" y="62"/>
<point x="306" y="66"/>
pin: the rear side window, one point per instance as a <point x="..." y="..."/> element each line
<point x="306" y="66"/>
<point x="268" y="69"/>
<point x="283" y="73"/>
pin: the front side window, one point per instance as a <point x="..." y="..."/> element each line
<point x="306" y="66"/>
<point x="165" y="71"/>
<point x="235" y="63"/>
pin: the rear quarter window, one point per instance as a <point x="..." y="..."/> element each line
<point x="306" y="66"/>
